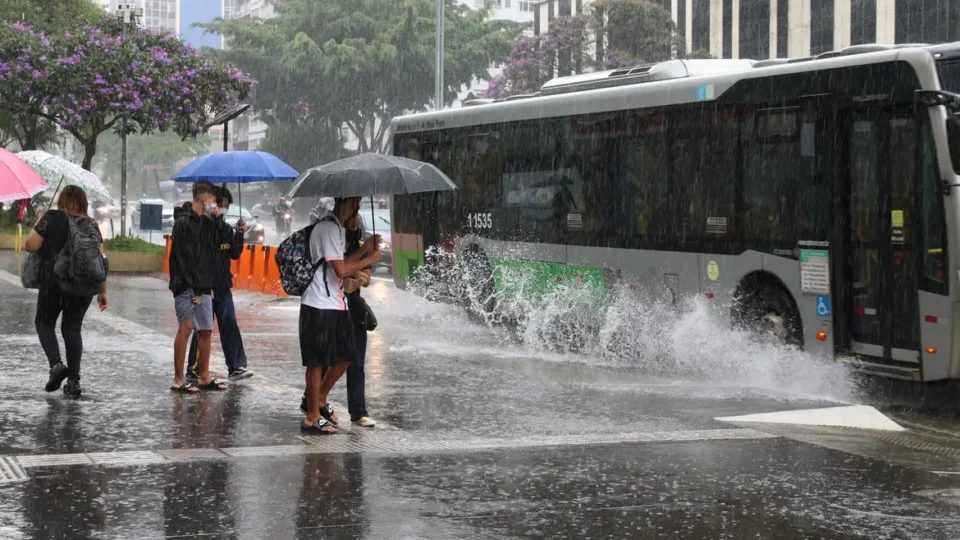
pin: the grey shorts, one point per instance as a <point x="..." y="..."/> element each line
<point x="201" y="314"/>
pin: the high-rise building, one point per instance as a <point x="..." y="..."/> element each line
<point x="158" y="15"/>
<point x="761" y="29"/>
<point x="178" y="17"/>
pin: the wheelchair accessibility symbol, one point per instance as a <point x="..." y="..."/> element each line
<point x="823" y="306"/>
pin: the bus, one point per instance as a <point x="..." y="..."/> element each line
<point x="815" y="199"/>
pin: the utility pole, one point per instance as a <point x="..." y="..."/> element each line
<point x="128" y="14"/>
<point x="439" y="81"/>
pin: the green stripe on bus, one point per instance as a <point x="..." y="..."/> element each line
<point x="535" y="279"/>
<point x="406" y="261"/>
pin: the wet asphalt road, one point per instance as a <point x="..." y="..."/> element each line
<point x="480" y="437"/>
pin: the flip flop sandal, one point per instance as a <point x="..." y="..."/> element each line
<point x="214" y="385"/>
<point x="185" y="388"/>
<point x="327" y="413"/>
<point x="319" y="428"/>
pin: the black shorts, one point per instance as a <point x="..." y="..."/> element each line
<point x="326" y="337"/>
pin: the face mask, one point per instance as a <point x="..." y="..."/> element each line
<point x="210" y="209"/>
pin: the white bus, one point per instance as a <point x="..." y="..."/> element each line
<point x="814" y="198"/>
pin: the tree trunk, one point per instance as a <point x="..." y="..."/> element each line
<point x="89" y="150"/>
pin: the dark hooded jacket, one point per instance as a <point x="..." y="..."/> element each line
<point x="196" y="254"/>
<point x="230" y="248"/>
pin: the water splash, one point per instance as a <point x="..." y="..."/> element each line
<point x="688" y="340"/>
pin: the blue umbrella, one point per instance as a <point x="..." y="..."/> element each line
<point x="239" y="167"/>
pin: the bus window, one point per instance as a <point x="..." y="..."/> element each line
<point x="644" y="176"/>
<point x="932" y="219"/>
<point x="782" y="192"/>
<point x="704" y="172"/>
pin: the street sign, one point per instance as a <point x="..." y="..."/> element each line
<point x="151" y="217"/>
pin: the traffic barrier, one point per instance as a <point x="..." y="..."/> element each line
<point x="166" y="254"/>
<point x="259" y="260"/>
<point x="271" y="281"/>
<point x="241" y="279"/>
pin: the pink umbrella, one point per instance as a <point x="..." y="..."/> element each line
<point x="17" y="179"/>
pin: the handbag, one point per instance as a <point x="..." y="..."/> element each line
<point x="31" y="273"/>
<point x="362" y="314"/>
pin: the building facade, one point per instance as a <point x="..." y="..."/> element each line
<point x="158" y="15"/>
<point x="761" y="29"/>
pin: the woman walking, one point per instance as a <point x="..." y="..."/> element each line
<point x="73" y="270"/>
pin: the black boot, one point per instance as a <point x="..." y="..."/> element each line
<point x="58" y="373"/>
<point x="72" y="389"/>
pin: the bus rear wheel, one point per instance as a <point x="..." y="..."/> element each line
<point x="769" y="314"/>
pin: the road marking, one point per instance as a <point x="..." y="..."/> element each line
<point x="853" y="416"/>
<point x="366" y="442"/>
<point x="11" y="471"/>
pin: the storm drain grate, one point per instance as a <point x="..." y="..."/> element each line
<point x="10" y="471"/>
<point x="917" y="444"/>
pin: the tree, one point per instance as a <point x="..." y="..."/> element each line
<point x="563" y="50"/>
<point x="97" y="79"/>
<point x="638" y="32"/>
<point x="359" y="64"/>
<point x="608" y="35"/>
<point x="150" y="158"/>
<point x="300" y="144"/>
<point x="51" y="17"/>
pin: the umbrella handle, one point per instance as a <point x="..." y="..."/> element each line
<point x="373" y="217"/>
<point x="49" y="204"/>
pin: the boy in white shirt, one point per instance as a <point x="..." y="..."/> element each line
<point x="327" y="342"/>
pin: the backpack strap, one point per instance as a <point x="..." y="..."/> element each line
<point x="322" y="263"/>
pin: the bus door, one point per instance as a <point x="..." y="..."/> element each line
<point x="879" y="279"/>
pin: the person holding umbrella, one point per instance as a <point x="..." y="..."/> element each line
<point x="327" y="339"/>
<point x="230" y="249"/>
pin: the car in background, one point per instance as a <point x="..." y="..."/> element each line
<point x="167" y="213"/>
<point x="105" y="210"/>
<point x="380" y="221"/>
<point x="255" y="233"/>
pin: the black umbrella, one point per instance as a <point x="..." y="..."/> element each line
<point x="370" y="174"/>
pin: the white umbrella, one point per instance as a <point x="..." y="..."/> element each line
<point x="57" y="170"/>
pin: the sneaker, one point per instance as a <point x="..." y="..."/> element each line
<point x="58" y="373"/>
<point x="240" y="373"/>
<point x="72" y="389"/>
<point x="365" y="421"/>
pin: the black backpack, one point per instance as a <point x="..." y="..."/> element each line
<point x="80" y="263"/>
<point x="295" y="261"/>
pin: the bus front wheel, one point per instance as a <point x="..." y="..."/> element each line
<point x="769" y="313"/>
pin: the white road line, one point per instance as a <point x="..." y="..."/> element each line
<point x="370" y="442"/>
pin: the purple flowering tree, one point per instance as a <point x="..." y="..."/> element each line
<point x="97" y="79"/>
<point x="563" y="50"/>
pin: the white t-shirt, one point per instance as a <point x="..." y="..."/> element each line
<point x="327" y="241"/>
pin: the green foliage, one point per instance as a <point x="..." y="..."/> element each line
<point x="609" y="34"/>
<point x="52" y="17"/>
<point x="151" y="159"/>
<point x="98" y="77"/>
<point x="639" y="32"/>
<point x="300" y="144"/>
<point x="359" y="64"/>
<point x="127" y="244"/>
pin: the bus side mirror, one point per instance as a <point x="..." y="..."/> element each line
<point x="953" y="140"/>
